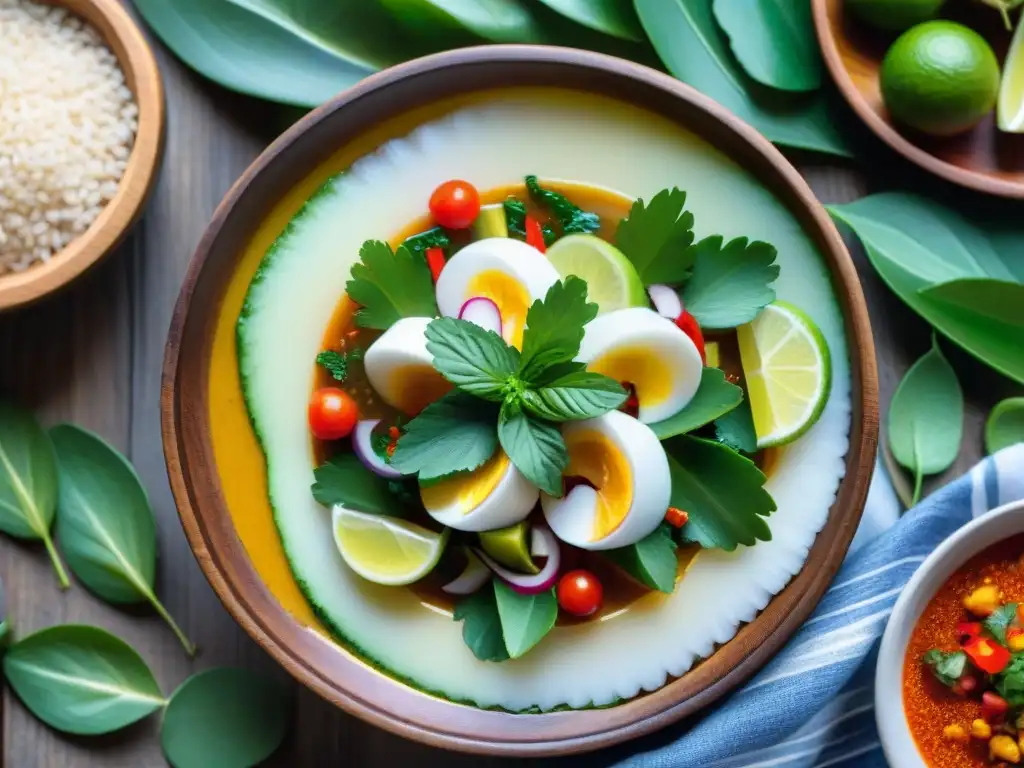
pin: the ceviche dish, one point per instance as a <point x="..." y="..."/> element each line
<point x="530" y="399"/>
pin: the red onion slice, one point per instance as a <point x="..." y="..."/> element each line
<point x="473" y="576"/>
<point x="534" y="584"/>
<point x="483" y="312"/>
<point x="362" y="444"/>
<point x="666" y="301"/>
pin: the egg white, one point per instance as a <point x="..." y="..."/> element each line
<point x="400" y="347"/>
<point x="512" y="500"/>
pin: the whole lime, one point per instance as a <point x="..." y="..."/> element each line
<point x="940" y="78"/>
<point x="894" y="15"/>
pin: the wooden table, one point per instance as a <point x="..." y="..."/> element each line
<point x="93" y="355"/>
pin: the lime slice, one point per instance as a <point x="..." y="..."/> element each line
<point x="788" y="372"/>
<point x="1010" y="112"/>
<point x="508" y="546"/>
<point x="612" y="280"/>
<point x="386" y="550"/>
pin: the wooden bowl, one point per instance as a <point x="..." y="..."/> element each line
<point x="342" y="678"/>
<point x="127" y="42"/>
<point x="984" y="159"/>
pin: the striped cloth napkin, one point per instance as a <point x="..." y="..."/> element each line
<point x="812" y="706"/>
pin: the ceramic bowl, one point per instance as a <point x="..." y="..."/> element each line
<point x="972" y="539"/>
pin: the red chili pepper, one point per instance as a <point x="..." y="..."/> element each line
<point x="987" y="655"/>
<point x="966" y="630"/>
<point x="993" y="706"/>
<point x="435" y="260"/>
<point x="535" y="235"/>
<point x="688" y="324"/>
<point x="677" y="518"/>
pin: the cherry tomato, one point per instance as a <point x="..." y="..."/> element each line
<point x="580" y="593"/>
<point x="332" y="414"/>
<point x="688" y="324"/>
<point x="455" y="204"/>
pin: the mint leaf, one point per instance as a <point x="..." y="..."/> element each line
<point x="715" y="396"/>
<point x="581" y="395"/>
<point x="731" y="283"/>
<point x="536" y="448"/>
<point x="722" y="492"/>
<point x="652" y="561"/>
<point x="525" y="619"/>
<point x="453" y="434"/>
<point x="475" y="360"/>
<point x="1001" y="620"/>
<point x="947" y="667"/>
<point x="572" y="218"/>
<point x="554" y="328"/>
<point x="736" y="429"/>
<point x="345" y="480"/>
<point x="481" y="625"/>
<point x="336" y="363"/>
<point x="390" y="285"/>
<point x="657" y="238"/>
<point x="1010" y="682"/>
<point x="515" y="219"/>
<point x="432" y="238"/>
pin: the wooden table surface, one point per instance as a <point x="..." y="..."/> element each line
<point x="93" y="355"/>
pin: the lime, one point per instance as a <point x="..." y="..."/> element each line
<point x="386" y="550"/>
<point x="940" y="78"/>
<point x="712" y="354"/>
<point x="1011" y="92"/>
<point x="788" y="372"/>
<point x="508" y="546"/>
<point x="612" y="280"/>
<point x="894" y="15"/>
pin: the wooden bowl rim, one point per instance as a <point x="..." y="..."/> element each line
<point x="883" y="129"/>
<point x="136" y="59"/>
<point x="399" y="708"/>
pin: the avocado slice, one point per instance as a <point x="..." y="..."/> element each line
<point x="490" y="222"/>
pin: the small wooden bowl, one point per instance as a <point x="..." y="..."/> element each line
<point x="127" y="42"/>
<point x="185" y="402"/>
<point x="985" y="158"/>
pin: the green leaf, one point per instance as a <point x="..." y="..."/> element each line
<point x="456" y="22"/>
<point x="345" y="480"/>
<point x="554" y="329"/>
<point x="926" y="418"/>
<point x="432" y="238"/>
<point x="453" y="434"/>
<point x="1010" y="682"/>
<point x="536" y="448"/>
<point x="774" y="40"/>
<point x="694" y="49"/>
<point x="515" y="218"/>
<point x="715" y="397"/>
<point x="390" y="285"/>
<point x="481" y="625"/>
<point x="5" y="623"/>
<point x="730" y="283"/>
<point x="472" y="358"/>
<point x="28" y="482"/>
<point x="105" y="523"/>
<point x="722" y="492"/>
<point x="573" y="219"/>
<point x="1005" y="425"/>
<point x="225" y="717"/>
<point x="613" y="17"/>
<point x="999" y="303"/>
<point x="1000" y="620"/>
<point x="652" y="561"/>
<point x="336" y="363"/>
<point x="580" y="395"/>
<point x="657" y="238"/>
<point x="525" y="619"/>
<point x="81" y="680"/>
<point x="736" y="429"/>
<point x="947" y="667"/>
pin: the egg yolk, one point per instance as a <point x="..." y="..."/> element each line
<point x="466" y="490"/>
<point x="512" y="298"/>
<point x="417" y="386"/>
<point x="650" y="376"/>
<point x="596" y="458"/>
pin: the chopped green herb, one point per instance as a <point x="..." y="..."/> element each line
<point x="432" y="238"/>
<point x="389" y="285"/>
<point x="515" y="217"/>
<point x="336" y="363"/>
<point x="657" y="238"/>
<point x="1000" y="620"/>
<point x="947" y="667"/>
<point x="572" y="218"/>
<point x="1010" y="682"/>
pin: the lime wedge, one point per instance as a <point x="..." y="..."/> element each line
<point x="386" y="550"/>
<point x="1010" y="110"/>
<point x="788" y="372"/>
<point x="508" y="546"/>
<point x="711" y="352"/>
<point x="612" y="280"/>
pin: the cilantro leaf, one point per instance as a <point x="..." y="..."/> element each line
<point x="554" y="328"/>
<point x="715" y="396"/>
<point x="721" y="491"/>
<point x="1000" y="620"/>
<point x="432" y="238"/>
<point x="390" y="285"/>
<point x="525" y="619"/>
<point x="453" y="434"/>
<point x="336" y="363"/>
<point x="536" y="447"/>
<point x="581" y="395"/>
<point x="657" y="238"/>
<point x="475" y="360"/>
<point x="515" y="219"/>
<point x="345" y="480"/>
<point x="731" y="283"/>
<point x="652" y="561"/>
<point x="1010" y="682"/>
<point x="572" y="218"/>
<point x="947" y="667"/>
<point x="481" y="625"/>
<point x="736" y="429"/>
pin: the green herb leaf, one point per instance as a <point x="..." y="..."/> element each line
<point x="722" y="492"/>
<point x="926" y="418"/>
<point x="481" y="625"/>
<point x="345" y="480"/>
<point x="947" y="667"/>
<point x="715" y="397"/>
<point x="1010" y="682"/>
<point x="1000" y="620"/>
<point x="525" y="619"/>
<point x="736" y="429"/>
<point x="432" y="238"/>
<point x="613" y="17"/>
<point x="453" y="434"/>
<point x="581" y="395"/>
<point x="389" y="285"/>
<point x="336" y="363"/>
<point x="652" y="561"/>
<point x="28" y="482"/>
<point x="572" y="218"/>
<point x="475" y="360"/>
<point x="536" y="448"/>
<point x="81" y="680"/>
<point x="105" y="523"/>
<point x="730" y="283"/>
<point x="455" y="24"/>
<point x="657" y="238"/>
<point x="1005" y="425"/>
<point x="554" y="328"/>
<point x="515" y="218"/>
<point x="225" y="717"/>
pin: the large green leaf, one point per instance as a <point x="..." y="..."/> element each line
<point x="652" y="561"/>
<point x="1004" y="426"/>
<point x="105" y="523"/>
<point x="694" y="49"/>
<point x="613" y="17"/>
<point x="81" y="680"/>
<point x="481" y="625"/>
<point x="458" y="21"/>
<point x="525" y="619"/>
<point x="715" y="397"/>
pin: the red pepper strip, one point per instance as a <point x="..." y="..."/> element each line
<point x="677" y="518"/>
<point x="966" y="630"/>
<point x="993" y="706"/>
<point x="632" y="405"/>
<point x="435" y="260"/>
<point x="987" y="655"/>
<point x="688" y="324"/>
<point x="535" y="235"/>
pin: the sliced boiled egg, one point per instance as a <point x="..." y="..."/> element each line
<point x="494" y="496"/>
<point x="401" y="370"/>
<point x="510" y="273"/>
<point x="637" y="346"/>
<point x="625" y="486"/>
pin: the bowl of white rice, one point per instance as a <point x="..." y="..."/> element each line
<point x="81" y="135"/>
